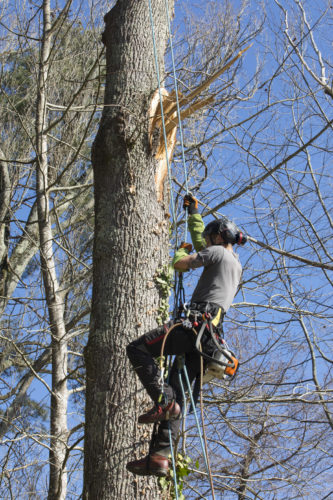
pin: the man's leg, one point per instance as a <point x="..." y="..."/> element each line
<point x="167" y="429"/>
<point x="143" y="361"/>
<point x="143" y="351"/>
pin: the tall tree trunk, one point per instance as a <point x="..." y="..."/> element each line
<point x="131" y="243"/>
<point x="5" y="189"/>
<point x="59" y="397"/>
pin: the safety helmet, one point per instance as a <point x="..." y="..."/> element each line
<point x="227" y="229"/>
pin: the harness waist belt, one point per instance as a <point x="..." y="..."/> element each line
<point x="215" y="310"/>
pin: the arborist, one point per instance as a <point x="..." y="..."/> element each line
<point x="211" y="299"/>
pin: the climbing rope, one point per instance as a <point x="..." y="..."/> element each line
<point x="179" y="289"/>
<point x="162" y="114"/>
<point x="202" y="436"/>
<point x="209" y="472"/>
<point x="178" y="113"/>
<point x="195" y="414"/>
<point x="172" y="450"/>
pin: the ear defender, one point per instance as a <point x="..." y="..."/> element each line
<point x="241" y="238"/>
<point x="229" y="236"/>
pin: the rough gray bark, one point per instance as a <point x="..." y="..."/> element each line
<point x="131" y="243"/>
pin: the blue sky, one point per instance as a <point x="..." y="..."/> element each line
<point x="283" y="308"/>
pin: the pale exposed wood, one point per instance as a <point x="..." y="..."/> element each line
<point x="203" y="86"/>
<point x="163" y="153"/>
<point x="155" y="126"/>
<point x="189" y="111"/>
<point x="154" y="113"/>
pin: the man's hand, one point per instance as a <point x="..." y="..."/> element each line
<point x="183" y="251"/>
<point x="191" y="204"/>
<point x="187" y="247"/>
<point x="182" y="261"/>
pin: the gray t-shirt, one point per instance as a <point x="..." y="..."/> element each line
<point x="220" y="278"/>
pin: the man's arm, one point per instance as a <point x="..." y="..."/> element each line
<point x="196" y="228"/>
<point x="195" y="222"/>
<point x="188" y="262"/>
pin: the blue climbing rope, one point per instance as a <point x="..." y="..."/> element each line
<point x="178" y="285"/>
<point x="178" y="113"/>
<point x="162" y="114"/>
<point x="195" y="416"/>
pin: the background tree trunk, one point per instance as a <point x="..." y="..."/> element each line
<point x="54" y="298"/>
<point x="4" y="219"/>
<point x="131" y="243"/>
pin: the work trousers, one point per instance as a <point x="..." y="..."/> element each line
<point x="142" y="353"/>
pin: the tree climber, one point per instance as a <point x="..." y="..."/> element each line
<point x="213" y="296"/>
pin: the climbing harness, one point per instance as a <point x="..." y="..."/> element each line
<point x="223" y="364"/>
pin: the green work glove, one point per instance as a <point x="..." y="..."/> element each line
<point x="191" y="204"/>
<point x="183" y="251"/>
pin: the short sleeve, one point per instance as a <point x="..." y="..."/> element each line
<point x="211" y="255"/>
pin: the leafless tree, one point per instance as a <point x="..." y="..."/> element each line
<point x="259" y="150"/>
<point x="50" y="91"/>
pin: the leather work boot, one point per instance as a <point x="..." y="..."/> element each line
<point x="158" y="413"/>
<point x="151" y="465"/>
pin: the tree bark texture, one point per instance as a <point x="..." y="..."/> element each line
<point x="131" y="244"/>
